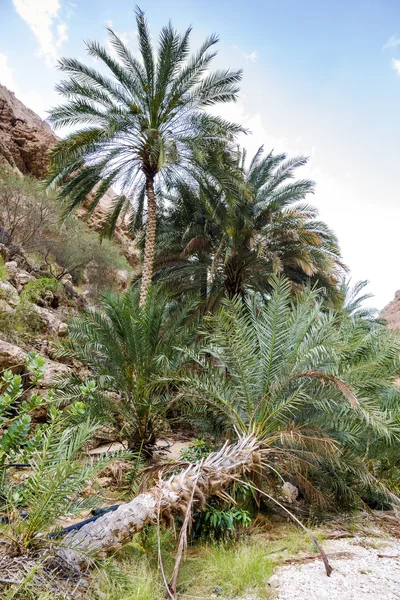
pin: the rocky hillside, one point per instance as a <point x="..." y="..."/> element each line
<point x="391" y="312"/>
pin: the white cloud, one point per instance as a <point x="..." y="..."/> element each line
<point x="253" y="56"/>
<point x="41" y="16"/>
<point x="396" y="65"/>
<point x="392" y="42"/>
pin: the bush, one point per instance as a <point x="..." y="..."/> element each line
<point x="30" y="219"/>
<point x="3" y="270"/>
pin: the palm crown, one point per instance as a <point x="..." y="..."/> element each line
<point x="146" y="120"/>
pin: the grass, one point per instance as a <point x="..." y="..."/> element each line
<point x="230" y="570"/>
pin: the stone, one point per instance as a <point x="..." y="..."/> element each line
<point x="48" y="319"/>
<point x="62" y="329"/>
<point x="12" y="268"/>
<point x="273" y="581"/>
<point x="22" y="277"/>
<point x="289" y="492"/>
<point x="9" y="293"/>
<point x="5" y="308"/>
<point x="52" y="372"/>
<point x="11" y="357"/>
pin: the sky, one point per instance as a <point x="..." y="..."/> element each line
<point x="321" y="78"/>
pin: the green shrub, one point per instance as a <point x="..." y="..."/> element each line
<point x="36" y="289"/>
<point x="3" y="270"/>
<point x="196" y="451"/>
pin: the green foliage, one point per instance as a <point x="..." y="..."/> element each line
<point x="132" y="355"/>
<point x="32" y="220"/>
<point x="3" y="270"/>
<point x="315" y="385"/>
<point x="16" y="443"/>
<point x="227" y="238"/>
<point x="35" y="290"/>
<point x="196" y="451"/>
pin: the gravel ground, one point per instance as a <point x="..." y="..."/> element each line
<point x="364" y="576"/>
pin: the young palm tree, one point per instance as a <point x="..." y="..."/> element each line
<point x="312" y="387"/>
<point x="129" y="349"/>
<point x="145" y="121"/>
<point x="235" y="241"/>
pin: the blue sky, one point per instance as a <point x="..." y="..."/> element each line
<point x="321" y="78"/>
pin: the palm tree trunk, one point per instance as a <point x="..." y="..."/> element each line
<point x="169" y="497"/>
<point x="149" y="247"/>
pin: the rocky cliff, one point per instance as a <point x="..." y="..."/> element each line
<point x="391" y="312"/>
<point x="25" y="139"/>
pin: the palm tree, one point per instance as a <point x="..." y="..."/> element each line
<point x="235" y="239"/>
<point x="353" y="299"/>
<point x="144" y="122"/>
<point x="310" y="386"/>
<point x="129" y="350"/>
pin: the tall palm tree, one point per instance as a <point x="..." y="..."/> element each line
<point x="237" y="238"/>
<point x="145" y="121"/>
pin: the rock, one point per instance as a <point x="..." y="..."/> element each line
<point x="9" y="293"/>
<point x="273" y="581"/>
<point x="391" y="312"/>
<point x="62" y="329"/>
<point x="25" y="140"/>
<point x="11" y="357"/>
<point x="4" y="252"/>
<point x="22" y="277"/>
<point x="12" y="268"/>
<point x="5" y="308"/>
<point x="52" y="372"/>
<point x="51" y="323"/>
<point x="289" y="492"/>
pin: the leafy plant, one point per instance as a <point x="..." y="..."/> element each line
<point x="131" y="351"/>
<point x="312" y="386"/>
<point x="197" y="450"/>
<point x="15" y="419"/>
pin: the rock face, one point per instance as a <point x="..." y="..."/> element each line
<point x="391" y="312"/>
<point x="25" y="139"/>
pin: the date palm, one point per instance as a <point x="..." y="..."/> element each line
<point x="235" y="239"/>
<point x="143" y="123"/>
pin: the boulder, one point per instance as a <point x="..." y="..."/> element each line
<point x="22" y="277"/>
<point x="11" y="357"/>
<point x="12" y="268"/>
<point x="49" y="320"/>
<point x="52" y="372"/>
<point x="9" y="293"/>
<point x="5" y="308"/>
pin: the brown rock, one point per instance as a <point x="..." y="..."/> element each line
<point x="391" y="312"/>
<point x="11" y="357"/>
<point x="25" y="140"/>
